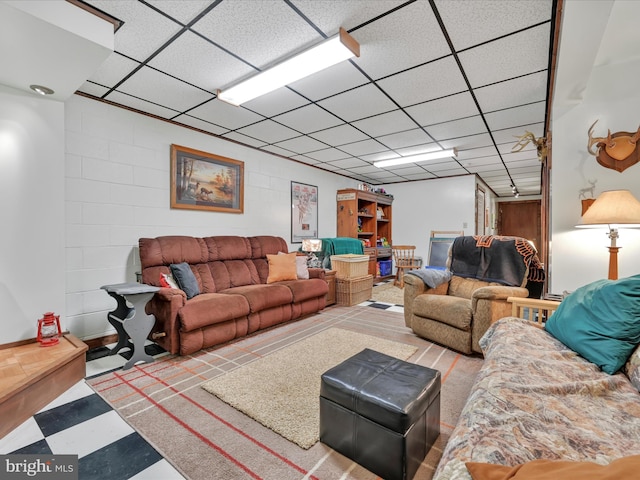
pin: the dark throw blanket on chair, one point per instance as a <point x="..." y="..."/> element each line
<point x="507" y="260"/>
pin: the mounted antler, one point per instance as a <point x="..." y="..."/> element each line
<point x="617" y="151"/>
<point x="528" y="137"/>
<point x="598" y="141"/>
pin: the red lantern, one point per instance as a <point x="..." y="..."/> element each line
<point x="49" y="329"/>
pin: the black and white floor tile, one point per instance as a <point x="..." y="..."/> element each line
<point x="80" y="422"/>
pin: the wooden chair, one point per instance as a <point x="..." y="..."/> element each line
<point x="404" y="258"/>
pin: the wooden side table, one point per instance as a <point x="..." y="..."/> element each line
<point x="533" y="309"/>
<point x="130" y="320"/>
<point x="330" y="277"/>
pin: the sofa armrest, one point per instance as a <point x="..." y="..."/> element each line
<point x="164" y="305"/>
<point x="489" y="304"/>
<point x="316" y="273"/>
<point x="414" y="286"/>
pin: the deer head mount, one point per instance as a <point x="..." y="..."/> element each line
<point x="617" y="151"/>
<point x="528" y="137"/>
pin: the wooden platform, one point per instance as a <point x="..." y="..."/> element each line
<point x="32" y="376"/>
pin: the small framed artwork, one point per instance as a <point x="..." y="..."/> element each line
<point x="204" y="181"/>
<point x="304" y="212"/>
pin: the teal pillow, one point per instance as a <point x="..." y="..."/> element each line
<point x="600" y="321"/>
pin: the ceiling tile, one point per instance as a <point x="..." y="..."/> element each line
<point x="474" y="153"/>
<point x="305" y="159"/>
<point x="512" y="93"/>
<point x="339" y="135"/>
<point x="403" y="39"/>
<point x="225" y="115"/>
<point x="93" y="89"/>
<point x="238" y="137"/>
<point x="302" y="144"/>
<point x="509" y="57"/>
<point x="363" y="148"/>
<point x="114" y="69"/>
<point x="339" y="78"/>
<point x="420" y="176"/>
<point x="200" y="63"/>
<point x="444" y="109"/>
<point x="268" y="131"/>
<point x="390" y="122"/>
<point x="457" y="128"/>
<point x="470" y="23"/>
<point x="428" y="82"/>
<point x="513" y="117"/>
<point x="276" y="102"/>
<point x="470" y="141"/>
<point x="408" y="138"/>
<point x="310" y="118"/>
<point x="162" y="89"/>
<point x="358" y="103"/>
<point x="349" y="163"/>
<point x="182" y="10"/>
<point x="144" y="30"/>
<point x="383" y="155"/>
<point x="509" y="136"/>
<point x="239" y="27"/>
<point x="142" y="105"/>
<point x="327" y="154"/>
<point x="278" y="151"/>
<point x="201" y="124"/>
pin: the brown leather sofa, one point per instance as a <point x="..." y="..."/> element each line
<point x="235" y="298"/>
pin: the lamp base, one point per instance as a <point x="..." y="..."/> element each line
<point x="613" y="262"/>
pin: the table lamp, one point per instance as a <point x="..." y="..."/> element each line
<point x="612" y="209"/>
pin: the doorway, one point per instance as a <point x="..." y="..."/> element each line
<point x="521" y="219"/>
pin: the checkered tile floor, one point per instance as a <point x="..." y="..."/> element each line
<point x="80" y="422"/>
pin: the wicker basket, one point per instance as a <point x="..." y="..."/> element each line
<point x="352" y="291"/>
<point x="350" y="265"/>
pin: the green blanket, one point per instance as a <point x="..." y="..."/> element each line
<point x="340" y="246"/>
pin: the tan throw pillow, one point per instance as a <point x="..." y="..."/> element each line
<point x="626" y="467"/>
<point x="282" y="267"/>
<point x="302" y="271"/>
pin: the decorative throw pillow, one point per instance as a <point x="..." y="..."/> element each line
<point x="282" y="267"/>
<point x="185" y="278"/>
<point x="600" y="321"/>
<point x="626" y="467"/>
<point x="301" y="267"/>
<point x="632" y="368"/>
<point x="168" y="281"/>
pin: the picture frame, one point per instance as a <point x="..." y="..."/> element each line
<point x="204" y="181"/>
<point x="304" y="211"/>
<point x="480" y="206"/>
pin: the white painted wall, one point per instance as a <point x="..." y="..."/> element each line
<point x="32" y="274"/>
<point x="579" y="256"/>
<point x="420" y="207"/>
<point x="117" y="170"/>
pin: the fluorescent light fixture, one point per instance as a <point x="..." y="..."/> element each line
<point x="326" y="54"/>
<point x="421" y="157"/>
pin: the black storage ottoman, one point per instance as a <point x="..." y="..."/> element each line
<point x="381" y="412"/>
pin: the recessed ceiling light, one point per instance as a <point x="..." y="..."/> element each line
<point x="41" y="90"/>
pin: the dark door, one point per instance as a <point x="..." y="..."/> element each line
<point x="521" y="219"/>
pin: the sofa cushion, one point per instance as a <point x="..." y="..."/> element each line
<point x="632" y="368"/>
<point x="282" y="267"/>
<point x="600" y="321"/>
<point x="261" y="297"/>
<point x="464" y="287"/>
<point x="625" y="467"/>
<point x="209" y="308"/>
<point x="454" y="311"/>
<point x="306" y="289"/>
<point x="185" y="278"/>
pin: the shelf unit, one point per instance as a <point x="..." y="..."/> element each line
<point x="358" y="217"/>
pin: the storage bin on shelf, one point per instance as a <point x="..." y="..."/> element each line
<point x="350" y="265"/>
<point x="352" y="291"/>
<point x="385" y="268"/>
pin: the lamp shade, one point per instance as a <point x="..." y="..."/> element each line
<point x="613" y="208"/>
<point x="311" y="245"/>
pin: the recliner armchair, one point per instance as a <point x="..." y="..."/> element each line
<point x="486" y="270"/>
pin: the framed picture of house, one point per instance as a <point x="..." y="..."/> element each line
<point x="304" y="212"/>
<point x="204" y="181"/>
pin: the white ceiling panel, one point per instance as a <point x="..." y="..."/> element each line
<point x="339" y="135"/>
<point x="309" y="118"/>
<point x="268" y="131"/>
<point x="508" y="57"/>
<point x="472" y="23"/>
<point x="386" y="123"/>
<point x="349" y="105"/>
<point x="405" y="91"/>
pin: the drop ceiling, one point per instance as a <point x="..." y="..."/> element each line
<point x="432" y="74"/>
